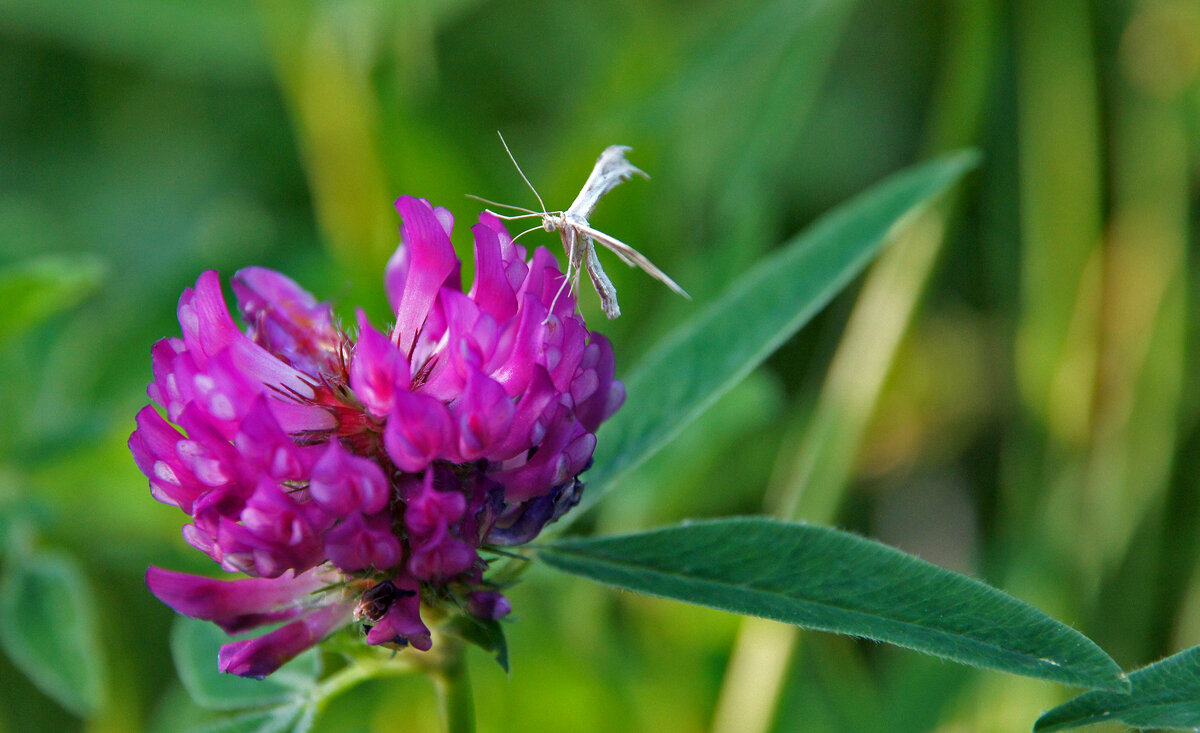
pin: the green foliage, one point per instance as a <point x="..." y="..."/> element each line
<point x="828" y="580"/>
<point x="486" y="634"/>
<point x="285" y="701"/>
<point x="38" y="288"/>
<point x="48" y="628"/>
<point x="1165" y="694"/>
<point x="287" y="717"/>
<point x="194" y="646"/>
<point x="20" y="516"/>
<point x="704" y="357"/>
<point x="1040" y="387"/>
<point x="200" y="39"/>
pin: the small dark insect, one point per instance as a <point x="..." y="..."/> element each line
<point x="377" y="600"/>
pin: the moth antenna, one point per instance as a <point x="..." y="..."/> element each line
<point x="503" y="206"/>
<point x="530" y="229"/>
<point x="523" y="176"/>
<point x="511" y="217"/>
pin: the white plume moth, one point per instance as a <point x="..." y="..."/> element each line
<point x="579" y="237"/>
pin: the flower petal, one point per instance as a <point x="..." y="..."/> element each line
<point x="286" y="319"/>
<point x="525" y="347"/>
<point x="431" y="260"/>
<point x="263" y="655"/>
<point x="489" y="605"/>
<point x="492" y="290"/>
<point x="419" y="430"/>
<point x="527" y="428"/>
<point x="341" y="482"/>
<point x="377" y="370"/>
<point x="484" y="415"/>
<point x="234" y="605"/>
<point x="551" y="465"/>
<point x="207" y="326"/>
<point x="265" y="446"/>
<point x="359" y="542"/>
<point x="153" y="445"/>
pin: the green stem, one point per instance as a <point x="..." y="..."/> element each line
<point x="454" y="694"/>
<point x="361" y="670"/>
<point x="353" y="674"/>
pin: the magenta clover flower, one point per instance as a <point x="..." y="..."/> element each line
<point x="359" y="478"/>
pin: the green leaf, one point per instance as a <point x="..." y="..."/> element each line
<point x="308" y="716"/>
<point x="213" y="39"/>
<point x="271" y="720"/>
<point x="194" y="646"/>
<point x="48" y="630"/>
<point x="35" y="289"/>
<point x="1165" y="694"/>
<point x="20" y="517"/>
<point x="704" y="357"/>
<point x="821" y="578"/>
<point x="487" y="634"/>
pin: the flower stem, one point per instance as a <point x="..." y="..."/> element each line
<point x="359" y="671"/>
<point x="453" y="687"/>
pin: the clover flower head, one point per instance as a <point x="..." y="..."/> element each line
<point x="356" y="473"/>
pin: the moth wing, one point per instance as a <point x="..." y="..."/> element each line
<point x="610" y="171"/>
<point x="633" y="258"/>
<point x="622" y="257"/>
<point x="600" y="281"/>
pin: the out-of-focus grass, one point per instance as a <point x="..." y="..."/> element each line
<point x="1026" y="373"/>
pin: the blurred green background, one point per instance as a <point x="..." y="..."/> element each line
<point x="1009" y="391"/>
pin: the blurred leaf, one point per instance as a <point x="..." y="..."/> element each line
<point x="18" y="516"/>
<point x="48" y="630"/>
<point x="829" y="580"/>
<point x="1165" y="694"/>
<point x="703" y="358"/>
<point x="759" y="159"/>
<point x="485" y="634"/>
<point x="732" y="438"/>
<point x="778" y="53"/>
<point x="336" y="116"/>
<point x="36" y="289"/>
<point x="308" y="715"/>
<point x="293" y="717"/>
<point x="194" y="645"/>
<point x="213" y="38"/>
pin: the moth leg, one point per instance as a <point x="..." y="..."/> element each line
<point x="554" y="302"/>
<point x="573" y="264"/>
